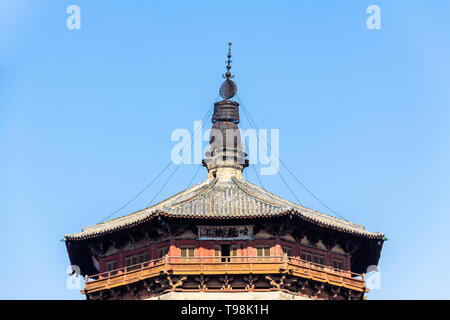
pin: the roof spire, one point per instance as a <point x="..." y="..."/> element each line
<point x="225" y="157"/>
<point x="228" y="75"/>
<point x="228" y="88"/>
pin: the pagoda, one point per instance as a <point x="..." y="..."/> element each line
<point x="225" y="238"/>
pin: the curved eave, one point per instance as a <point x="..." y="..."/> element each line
<point x="362" y="233"/>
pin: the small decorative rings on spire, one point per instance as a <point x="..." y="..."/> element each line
<point x="228" y="75"/>
<point x="228" y="88"/>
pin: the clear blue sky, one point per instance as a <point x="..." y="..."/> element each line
<point x="86" y="117"/>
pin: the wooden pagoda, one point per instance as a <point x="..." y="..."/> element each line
<point x="225" y="238"/>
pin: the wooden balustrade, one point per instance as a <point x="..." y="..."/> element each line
<point x="225" y="265"/>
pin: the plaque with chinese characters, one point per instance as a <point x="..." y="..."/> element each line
<point x="225" y="232"/>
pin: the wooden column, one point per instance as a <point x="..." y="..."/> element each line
<point x="172" y="249"/>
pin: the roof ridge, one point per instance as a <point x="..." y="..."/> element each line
<point x="204" y="190"/>
<point x="308" y="210"/>
<point x="251" y="194"/>
<point x="136" y="213"/>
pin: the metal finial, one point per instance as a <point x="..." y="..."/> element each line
<point x="228" y="88"/>
<point x="228" y="75"/>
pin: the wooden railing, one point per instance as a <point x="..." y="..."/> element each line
<point x="220" y="265"/>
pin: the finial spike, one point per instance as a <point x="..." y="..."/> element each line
<point x="228" y="88"/>
<point x="228" y="73"/>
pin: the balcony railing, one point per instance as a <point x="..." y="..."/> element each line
<point x="220" y="265"/>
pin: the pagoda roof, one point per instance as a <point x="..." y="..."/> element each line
<point x="224" y="199"/>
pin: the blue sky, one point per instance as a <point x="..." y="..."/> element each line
<point x="86" y="117"/>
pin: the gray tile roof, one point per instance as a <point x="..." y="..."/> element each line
<point x="235" y="198"/>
